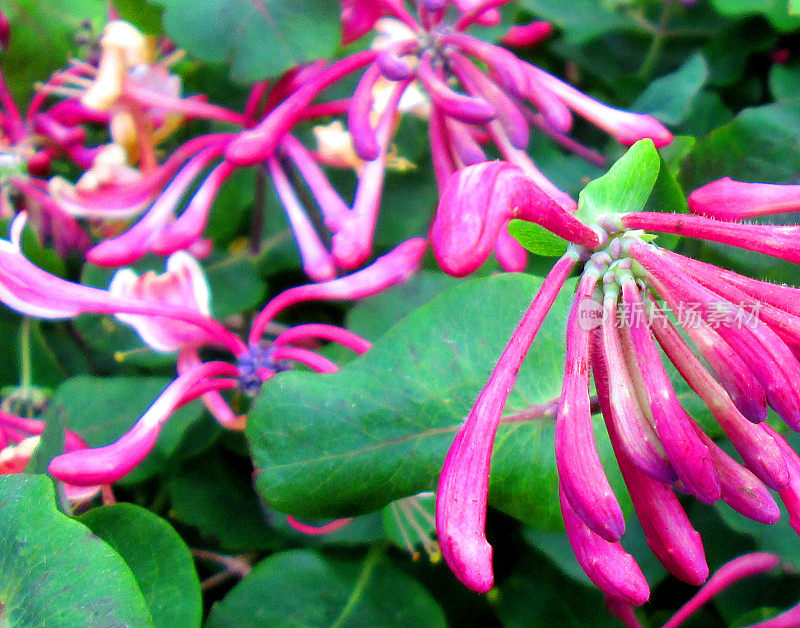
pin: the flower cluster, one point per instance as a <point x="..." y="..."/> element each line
<point x="660" y="449"/>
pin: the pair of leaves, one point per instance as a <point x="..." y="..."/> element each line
<point x="58" y="571"/>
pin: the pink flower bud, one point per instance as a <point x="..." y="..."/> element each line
<point x="726" y="199"/>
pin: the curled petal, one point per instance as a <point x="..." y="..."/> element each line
<point x="467" y="109"/>
<point x="476" y="204"/>
<point x="725" y="576"/>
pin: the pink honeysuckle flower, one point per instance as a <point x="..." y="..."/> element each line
<point x="626" y="284"/>
<point x="477" y="204"/>
<point x="183" y="284"/>
<point x="582" y="479"/>
<point x="726" y="199"/>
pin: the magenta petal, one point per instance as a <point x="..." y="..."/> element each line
<point x="476" y="204"/>
<point x="769" y="358"/>
<point x="624" y="414"/>
<point x="359" y="124"/>
<point x="669" y="533"/>
<point x="626" y="126"/>
<point x="759" y="452"/>
<point x="741" y="490"/>
<point x="777" y="241"/>
<point x="388" y="270"/>
<point x="729" y="573"/>
<point x="608" y="565"/>
<point x="464" y="108"/>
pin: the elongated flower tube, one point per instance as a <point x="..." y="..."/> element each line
<point x="726" y="199"/>
<point x="730" y="573"/>
<point x="777" y="241"/>
<point x="687" y="454"/>
<point x="583" y="481"/>
<point x="464" y="483"/>
<point x="108" y="464"/>
<point x="759" y="452"/>
<point x="667" y="529"/>
<point x="626" y="416"/>
<point x="607" y="564"/>
<point x="432" y="51"/>
<point x="478" y="203"/>
<point x="771" y="360"/>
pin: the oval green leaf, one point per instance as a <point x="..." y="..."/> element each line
<point x="55" y="571"/>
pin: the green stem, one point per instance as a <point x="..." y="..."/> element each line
<point x="26" y="370"/>
<point x="374" y="555"/>
<point x="259" y="209"/>
<point x="656" y="45"/>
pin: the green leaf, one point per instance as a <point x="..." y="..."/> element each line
<point x="55" y="572"/>
<point x="670" y="98"/>
<point x="305" y="588"/>
<point x="373" y="316"/>
<point x="538" y="596"/>
<point x="378" y="430"/>
<point x="258" y="38"/>
<point x="158" y="558"/>
<point x="103" y="409"/>
<point x="537" y="239"/>
<point x="207" y="494"/>
<point x="784" y="81"/>
<point x="776" y="11"/>
<point x="759" y="144"/>
<point x="625" y="187"/>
